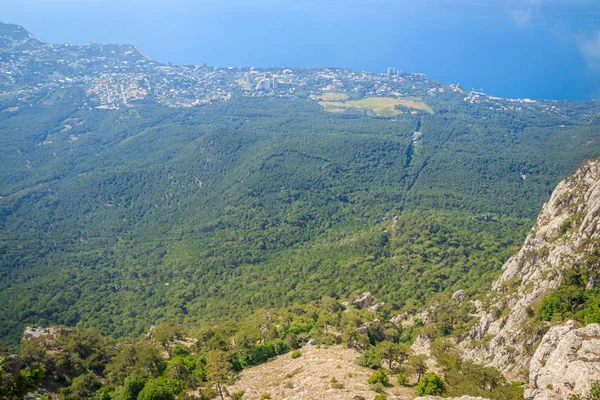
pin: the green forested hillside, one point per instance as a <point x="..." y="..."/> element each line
<point x="120" y="219"/>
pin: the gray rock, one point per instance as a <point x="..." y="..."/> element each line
<point x="535" y="271"/>
<point x="364" y="301"/>
<point x="33" y="332"/>
<point x="566" y="363"/>
<point x="459" y="296"/>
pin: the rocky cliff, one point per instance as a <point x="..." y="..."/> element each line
<point x="507" y="333"/>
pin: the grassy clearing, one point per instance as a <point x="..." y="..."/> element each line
<point x="382" y="106"/>
<point x="329" y="96"/>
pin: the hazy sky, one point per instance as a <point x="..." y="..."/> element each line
<point x="514" y="48"/>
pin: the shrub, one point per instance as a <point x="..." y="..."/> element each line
<point x="377" y="387"/>
<point x="238" y="395"/>
<point x="431" y="385"/>
<point x="180" y="351"/>
<point x="595" y="392"/>
<point x="82" y="387"/>
<point x="368" y="359"/>
<point x="565" y="226"/>
<point x="105" y="393"/>
<point x="156" y="391"/>
<point x="402" y="379"/>
<point x="379" y="377"/>
<point x="381" y="396"/>
<point x="336" y="385"/>
<point x="296" y="353"/>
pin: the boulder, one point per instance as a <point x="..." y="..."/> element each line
<point x="566" y="363"/>
<point x="33" y="332"/>
<point x="422" y="345"/>
<point x="365" y="300"/>
<point x="537" y="270"/>
<point x="459" y="296"/>
<point x="376" y="307"/>
<point x="375" y="325"/>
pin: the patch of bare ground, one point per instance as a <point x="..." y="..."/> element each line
<point x="319" y="374"/>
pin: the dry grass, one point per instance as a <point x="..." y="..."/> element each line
<point x="329" y="96"/>
<point x="325" y="374"/>
<point x="382" y="106"/>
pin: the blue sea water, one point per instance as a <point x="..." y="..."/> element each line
<point x="543" y="49"/>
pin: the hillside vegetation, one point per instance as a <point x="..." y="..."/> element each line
<point x="118" y="219"/>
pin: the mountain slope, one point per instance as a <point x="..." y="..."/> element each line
<point x="560" y="252"/>
<point x="135" y="192"/>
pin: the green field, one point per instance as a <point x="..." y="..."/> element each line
<point x="382" y="106"/>
<point x="330" y="96"/>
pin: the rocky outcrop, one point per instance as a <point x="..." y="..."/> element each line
<point x="31" y="333"/>
<point x="365" y="300"/>
<point x="459" y="296"/>
<point x="422" y="345"/>
<point x="565" y="232"/>
<point x="566" y="363"/>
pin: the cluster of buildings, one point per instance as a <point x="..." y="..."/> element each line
<point x="262" y="80"/>
<point x="117" y="75"/>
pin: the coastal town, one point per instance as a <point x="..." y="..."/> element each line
<point x="116" y="76"/>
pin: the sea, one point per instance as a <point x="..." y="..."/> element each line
<point x="537" y="49"/>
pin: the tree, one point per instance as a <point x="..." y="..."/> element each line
<point x="143" y="357"/>
<point x="134" y="384"/>
<point x="418" y="365"/>
<point x="165" y="332"/>
<point x="432" y="385"/>
<point x="217" y="369"/>
<point x="178" y="373"/>
<point x="369" y="359"/>
<point x="105" y="393"/>
<point x="16" y="381"/>
<point x="392" y="352"/>
<point x="82" y="387"/>
<point x="379" y="377"/>
<point x="156" y="391"/>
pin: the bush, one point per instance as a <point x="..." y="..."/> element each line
<point x="336" y="385"/>
<point x="238" y="395"/>
<point x="105" y="393"/>
<point x="368" y="359"/>
<point x="402" y="379"/>
<point x="180" y="351"/>
<point x="134" y="384"/>
<point x="595" y="391"/>
<point x="379" y="377"/>
<point x="431" y="385"/>
<point x="381" y="396"/>
<point x="296" y="353"/>
<point x="377" y="387"/>
<point x="156" y="391"/>
<point x="82" y="387"/>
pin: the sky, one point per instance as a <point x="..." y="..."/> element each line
<point x="546" y="49"/>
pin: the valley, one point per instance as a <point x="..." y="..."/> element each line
<point x="204" y="231"/>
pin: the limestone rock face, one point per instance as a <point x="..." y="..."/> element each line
<point x="459" y="296"/>
<point x="422" y="345"/>
<point x="364" y="301"/>
<point x="565" y="232"/>
<point x="566" y="363"/>
<point x="33" y="332"/>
